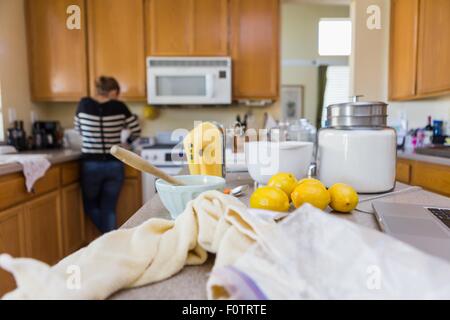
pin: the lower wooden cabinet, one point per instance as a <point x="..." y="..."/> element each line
<point x="129" y="200"/>
<point x="11" y="241"/>
<point x="403" y="171"/>
<point x="430" y="176"/>
<point x="72" y="219"/>
<point x="43" y="234"/>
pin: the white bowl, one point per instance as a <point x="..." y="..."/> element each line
<point x="175" y="198"/>
<point x="264" y="159"/>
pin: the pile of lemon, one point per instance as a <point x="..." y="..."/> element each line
<point x="284" y="188"/>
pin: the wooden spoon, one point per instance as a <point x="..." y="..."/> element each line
<point x="143" y="165"/>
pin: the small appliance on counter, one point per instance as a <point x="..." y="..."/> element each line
<point x="72" y="139"/>
<point x="47" y="135"/>
<point x="357" y="147"/>
<point x="17" y="137"/>
<point x="205" y="150"/>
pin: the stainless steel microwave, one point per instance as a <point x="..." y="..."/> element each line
<point x="188" y="80"/>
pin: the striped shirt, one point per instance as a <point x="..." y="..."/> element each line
<point x="101" y="124"/>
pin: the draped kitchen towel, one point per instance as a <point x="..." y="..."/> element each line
<point x="308" y="255"/>
<point x="155" y="250"/>
<point x="315" y="255"/>
<point x="34" y="167"/>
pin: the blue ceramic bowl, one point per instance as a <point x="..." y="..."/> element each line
<point x="175" y="198"/>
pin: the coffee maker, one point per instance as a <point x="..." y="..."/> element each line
<point x="17" y="136"/>
<point x="47" y="135"/>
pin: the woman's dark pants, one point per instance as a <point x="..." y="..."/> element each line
<point x="101" y="181"/>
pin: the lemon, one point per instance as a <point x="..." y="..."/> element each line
<point x="310" y="181"/>
<point x="283" y="181"/>
<point x="269" y="198"/>
<point x="312" y="193"/>
<point x="343" y="197"/>
<point x="150" y="112"/>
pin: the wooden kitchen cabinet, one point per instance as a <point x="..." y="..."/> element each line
<point x="403" y="171"/>
<point x="13" y="190"/>
<point x="116" y="45"/>
<point x="419" y="48"/>
<point x="12" y="242"/>
<point x="70" y="172"/>
<point x="403" y="48"/>
<point x="57" y="55"/>
<point x="42" y="228"/>
<point x="433" y="74"/>
<point x="255" y="34"/>
<point x="430" y="176"/>
<point x="72" y="218"/>
<point x="187" y="27"/>
<point x="130" y="200"/>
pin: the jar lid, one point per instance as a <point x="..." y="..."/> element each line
<point x="357" y="114"/>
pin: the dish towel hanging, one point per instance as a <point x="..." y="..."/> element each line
<point x="34" y="167"/>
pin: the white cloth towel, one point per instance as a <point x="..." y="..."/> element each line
<point x="308" y="255"/>
<point x="34" y="167"/>
<point x="155" y="250"/>
<point x="315" y="255"/>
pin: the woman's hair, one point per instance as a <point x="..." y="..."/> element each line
<point x="105" y="85"/>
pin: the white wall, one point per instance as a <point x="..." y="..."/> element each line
<point x="299" y="41"/>
<point x="370" y="64"/>
<point x="169" y="119"/>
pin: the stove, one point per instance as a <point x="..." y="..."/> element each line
<point x="165" y="155"/>
<point x="170" y="158"/>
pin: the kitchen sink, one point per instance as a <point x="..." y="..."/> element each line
<point x="435" y="150"/>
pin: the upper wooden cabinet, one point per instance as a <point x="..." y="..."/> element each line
<point x="433" y="74"/>
<point x="187" y="27"/>
<point x="116" y="45"/>
<point x="57" y="55"/>
<point x="255" y="48"/>
<point x="403" y="48"/>
<point x="115" y="36"/>
<point x="419" y="49"/>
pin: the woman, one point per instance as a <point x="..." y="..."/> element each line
<point x="100" y="122"/>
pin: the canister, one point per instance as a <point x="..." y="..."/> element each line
<point x="357" y="147"/>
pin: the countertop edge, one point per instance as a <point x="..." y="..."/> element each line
<point x="423" y="158"/>
<point x="54" y="156"/>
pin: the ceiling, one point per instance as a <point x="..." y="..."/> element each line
<point x="321" y="2"/>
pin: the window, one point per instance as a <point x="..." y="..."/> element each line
<point x="335" y="37"/>
<point x="337" y="88"/>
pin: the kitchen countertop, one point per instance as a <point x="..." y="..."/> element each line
<point x="190" y="283"/>
<point x="54" y="156"/>
<point x="422" y="157"/>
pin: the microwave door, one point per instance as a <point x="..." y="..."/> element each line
<point x="181" y="88"/>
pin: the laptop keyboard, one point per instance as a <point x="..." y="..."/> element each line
<point x="441" y="214"/>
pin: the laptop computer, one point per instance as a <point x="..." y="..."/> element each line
<point x="424" y="227"/>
